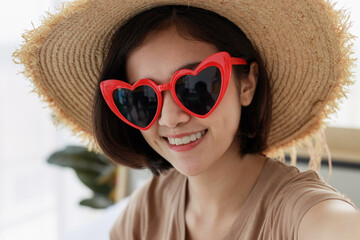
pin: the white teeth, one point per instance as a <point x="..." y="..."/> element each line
<point x="187" y="139"/>
<point x="198" y="135"/>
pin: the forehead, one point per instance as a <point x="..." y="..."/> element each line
<point x="162" y="53"/>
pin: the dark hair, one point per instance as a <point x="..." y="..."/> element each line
<point x="124" y="144"/>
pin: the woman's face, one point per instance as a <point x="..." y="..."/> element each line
<point x="158" y="58"/>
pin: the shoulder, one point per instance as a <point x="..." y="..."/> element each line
<point x="299" y="191"/>
<point x="334" y="219"/>
<point x="293" y="194"/>
<point x="289" y="179"/>
<point x="307" y="187"/>
<point x="278" y="177"/>
<point x="146" y="202"/>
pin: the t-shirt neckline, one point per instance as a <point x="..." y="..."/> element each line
<point x="243" y="213"/>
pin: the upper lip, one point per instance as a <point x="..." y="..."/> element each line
<point x="181" y="134"/>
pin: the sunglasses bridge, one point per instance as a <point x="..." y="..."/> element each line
<point x="164" y="87"/>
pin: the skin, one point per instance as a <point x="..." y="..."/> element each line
<point x="216" y="161"/>
<point x="330" y="220"/>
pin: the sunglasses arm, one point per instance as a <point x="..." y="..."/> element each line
<point x="238" y="61"/>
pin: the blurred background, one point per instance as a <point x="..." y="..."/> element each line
<point x="41" y="201"/>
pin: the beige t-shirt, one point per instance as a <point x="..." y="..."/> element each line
<point x="273" y="209"/>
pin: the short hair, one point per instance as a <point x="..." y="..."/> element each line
<point x="124" y="144"/>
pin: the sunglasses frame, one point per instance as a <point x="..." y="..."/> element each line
<point x="221" y="60"/>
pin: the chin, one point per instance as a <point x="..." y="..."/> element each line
<point x="189" y="170"/>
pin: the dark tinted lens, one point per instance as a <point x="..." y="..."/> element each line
<point x="138" y="106"/>
<point x="199" y="93"/>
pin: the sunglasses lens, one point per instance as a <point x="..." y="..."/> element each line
<point x="137" y="106"/>
<point x="199" y="93"/>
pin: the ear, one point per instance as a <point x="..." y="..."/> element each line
<point x="248" y="85"/>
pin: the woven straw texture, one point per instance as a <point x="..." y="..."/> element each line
<point x="305" y="46"/>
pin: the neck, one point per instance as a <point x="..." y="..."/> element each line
<point x="225" y="187"/>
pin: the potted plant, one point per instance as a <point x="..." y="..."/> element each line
<point x="93" y="169"/>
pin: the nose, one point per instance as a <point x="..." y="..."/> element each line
<point x="171" y="114"/>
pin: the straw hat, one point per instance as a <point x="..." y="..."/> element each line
<point x="305" y="46"/>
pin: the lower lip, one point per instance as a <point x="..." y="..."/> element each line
<point x="186" y="147"/>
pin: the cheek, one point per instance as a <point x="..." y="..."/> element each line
<point x="147" y="136"/>
<point x="231" y="106"/>
<point x="151" y="137"/>
<point x="226" y="119"/>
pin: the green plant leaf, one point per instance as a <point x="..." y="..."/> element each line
<point x="97" y="201"/>
<point x="79" y="158"/>
<point x="94" y="170"/>
<point x="90" y="179"/>
<point x="107" y="176"/>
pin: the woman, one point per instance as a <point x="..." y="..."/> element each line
<point x="186" y="93"/>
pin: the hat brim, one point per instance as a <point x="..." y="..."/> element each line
<point x="305" y="47"/>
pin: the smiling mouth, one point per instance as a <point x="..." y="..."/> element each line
<point x="186" y="140"/>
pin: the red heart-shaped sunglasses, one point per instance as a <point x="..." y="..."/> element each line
<point x="197" y="92"/>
